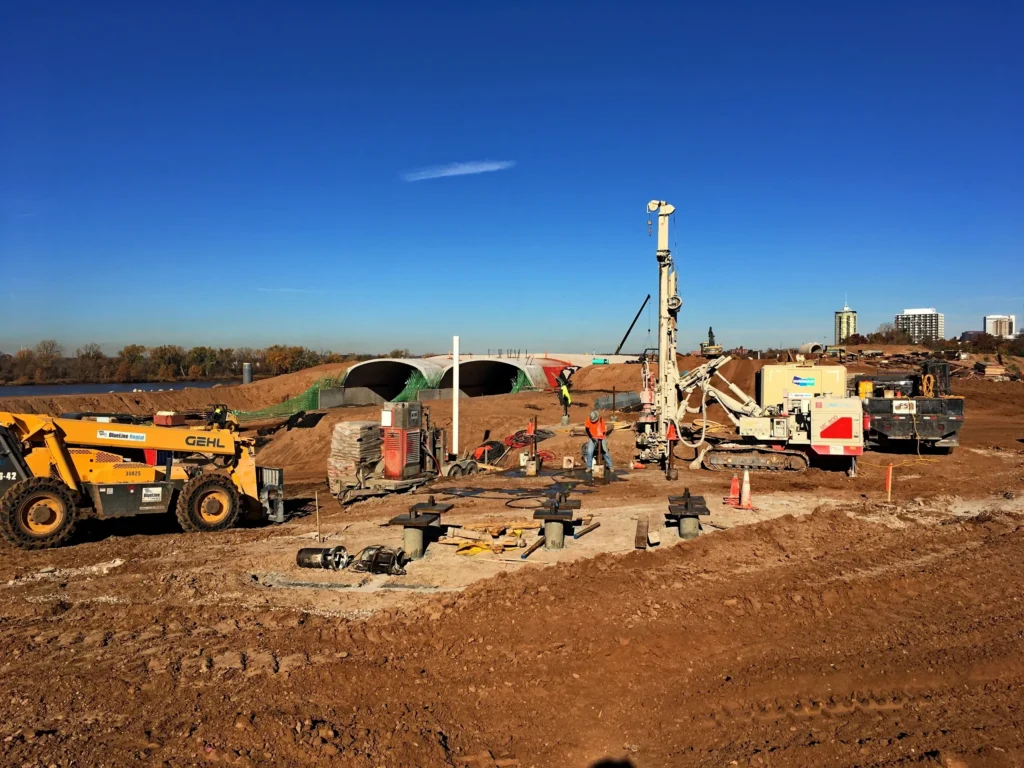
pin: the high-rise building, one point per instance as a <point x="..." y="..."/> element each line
<point x="1003" y="326"/>
<point x="846" y="323"/>
<point x="921" y="324"/>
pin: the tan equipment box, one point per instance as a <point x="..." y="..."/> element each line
<point x="790" y="381"/>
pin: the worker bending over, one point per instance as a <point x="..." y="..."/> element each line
<point x="564" y="398"/>
<point x="597" y="432"/>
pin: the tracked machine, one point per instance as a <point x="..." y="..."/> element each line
<point x="56" y="471"/>
<point x="801" y="411"/>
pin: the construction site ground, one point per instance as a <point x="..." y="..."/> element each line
<point x="826" y="627"/>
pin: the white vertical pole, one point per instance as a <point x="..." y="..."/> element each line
<point x="455" y="397"/>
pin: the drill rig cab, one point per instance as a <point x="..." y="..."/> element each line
<point x="56" y="471"/>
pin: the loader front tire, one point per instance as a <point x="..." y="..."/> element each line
<point x="38" y="513"/>
<point x="208" y="503"/>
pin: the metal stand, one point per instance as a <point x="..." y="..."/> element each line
<point x="685" y="512"/>
<point x="556" y="514"/>
<point x="420" y="517"/>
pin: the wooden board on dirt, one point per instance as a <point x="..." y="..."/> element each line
<point x="642" y="529"/>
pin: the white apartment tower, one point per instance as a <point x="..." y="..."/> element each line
<point x="846" y="323"/>
<point x="921" y="324"/>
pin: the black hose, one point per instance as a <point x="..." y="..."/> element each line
<point x="433" y="458"/>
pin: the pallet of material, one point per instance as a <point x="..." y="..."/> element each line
<point x="990" y="369"/>
<point x="353" y="444"/>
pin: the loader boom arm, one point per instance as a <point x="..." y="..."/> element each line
<point x="95" y="434"/>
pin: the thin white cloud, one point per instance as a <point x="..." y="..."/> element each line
<point x="458" y="169"/>
<point x="288" y="290"/>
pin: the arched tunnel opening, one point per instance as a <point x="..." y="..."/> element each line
<point x="385" y="378"/>
<point x="483" y="377"/>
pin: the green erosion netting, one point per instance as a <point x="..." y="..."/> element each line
<point x="521" y="383"/>
<point x="307" y="401"/>
<point x="414" y="384"/>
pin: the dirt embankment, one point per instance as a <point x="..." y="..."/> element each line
<point x="627" y="377"/>
<point x="253" y="396"/>
<point x="991" y="453"/>
<point x="823" y="640"/>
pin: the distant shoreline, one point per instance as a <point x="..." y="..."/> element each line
<point x="114" y="382"/>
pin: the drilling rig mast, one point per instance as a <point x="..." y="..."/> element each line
<point x="658" y="425"/>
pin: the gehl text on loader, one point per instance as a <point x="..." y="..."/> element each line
<point x="56" y="471"/>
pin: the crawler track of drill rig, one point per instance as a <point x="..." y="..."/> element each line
<point x="732" y="457"/>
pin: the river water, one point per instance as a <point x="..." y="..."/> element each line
<point x="102" y="389"/>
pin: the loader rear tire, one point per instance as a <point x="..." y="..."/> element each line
<point x="208" y="503"/>
<point x="38" y="513"/>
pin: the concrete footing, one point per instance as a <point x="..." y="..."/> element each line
<point x="689" y="527"/>
<point x="554" y="534"/>
<point x="412" y="542"/>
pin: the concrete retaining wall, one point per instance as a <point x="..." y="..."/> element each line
<point x="335" y="398"/>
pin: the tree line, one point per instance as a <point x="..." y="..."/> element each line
<point x="49" y="363"/>
<point x="980" y="343"/>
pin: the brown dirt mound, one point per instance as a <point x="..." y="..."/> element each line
<point x="820" y="640"/>
<point x="259" y="394"/>
<point x="627" y="377"/>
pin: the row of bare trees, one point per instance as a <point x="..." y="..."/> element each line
<point x="48" y="362"/>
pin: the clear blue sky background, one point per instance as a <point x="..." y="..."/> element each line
<point x="235" y="173"/>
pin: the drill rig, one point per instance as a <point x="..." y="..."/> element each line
<point x="800" y="411"/>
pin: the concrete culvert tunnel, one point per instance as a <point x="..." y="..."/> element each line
<point x="387" y="378"/>
<point x="483" y="377"/>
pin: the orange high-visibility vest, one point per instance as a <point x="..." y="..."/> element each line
<point x="595" y="429"/>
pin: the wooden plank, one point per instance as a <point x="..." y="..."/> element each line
<point x="642" y="529"/>
<point x="503" y="526"/>
<point x="653" y="537"/>
<point x="468" y="534"/>
<point x="494" y="529"/>
<point x="456" y="541"/>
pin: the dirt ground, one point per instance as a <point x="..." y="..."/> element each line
<point x="825" y="628"/>
<point x="253" y="396"/>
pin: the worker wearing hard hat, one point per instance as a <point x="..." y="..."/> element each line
<point x="597" y="432"/>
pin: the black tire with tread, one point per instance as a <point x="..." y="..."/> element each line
<point x="15" y="497"/>
<point x="188" y="515"/>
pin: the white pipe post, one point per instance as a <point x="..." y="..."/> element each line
<point x="455" y="397"/>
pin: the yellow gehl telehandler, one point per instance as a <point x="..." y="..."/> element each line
<point x="56" y="471"/>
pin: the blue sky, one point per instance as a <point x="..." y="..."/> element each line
<point x="240" y="174"/>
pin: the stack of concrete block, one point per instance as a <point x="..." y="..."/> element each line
<point x="354" y="444"/>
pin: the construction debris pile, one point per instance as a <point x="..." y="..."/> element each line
<point x="355" y="445"/>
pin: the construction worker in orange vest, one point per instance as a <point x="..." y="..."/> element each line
<point x="597" y="432"/>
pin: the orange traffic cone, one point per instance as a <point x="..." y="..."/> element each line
<point x="733" y="499"/>
<point x="745" y="501"/>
